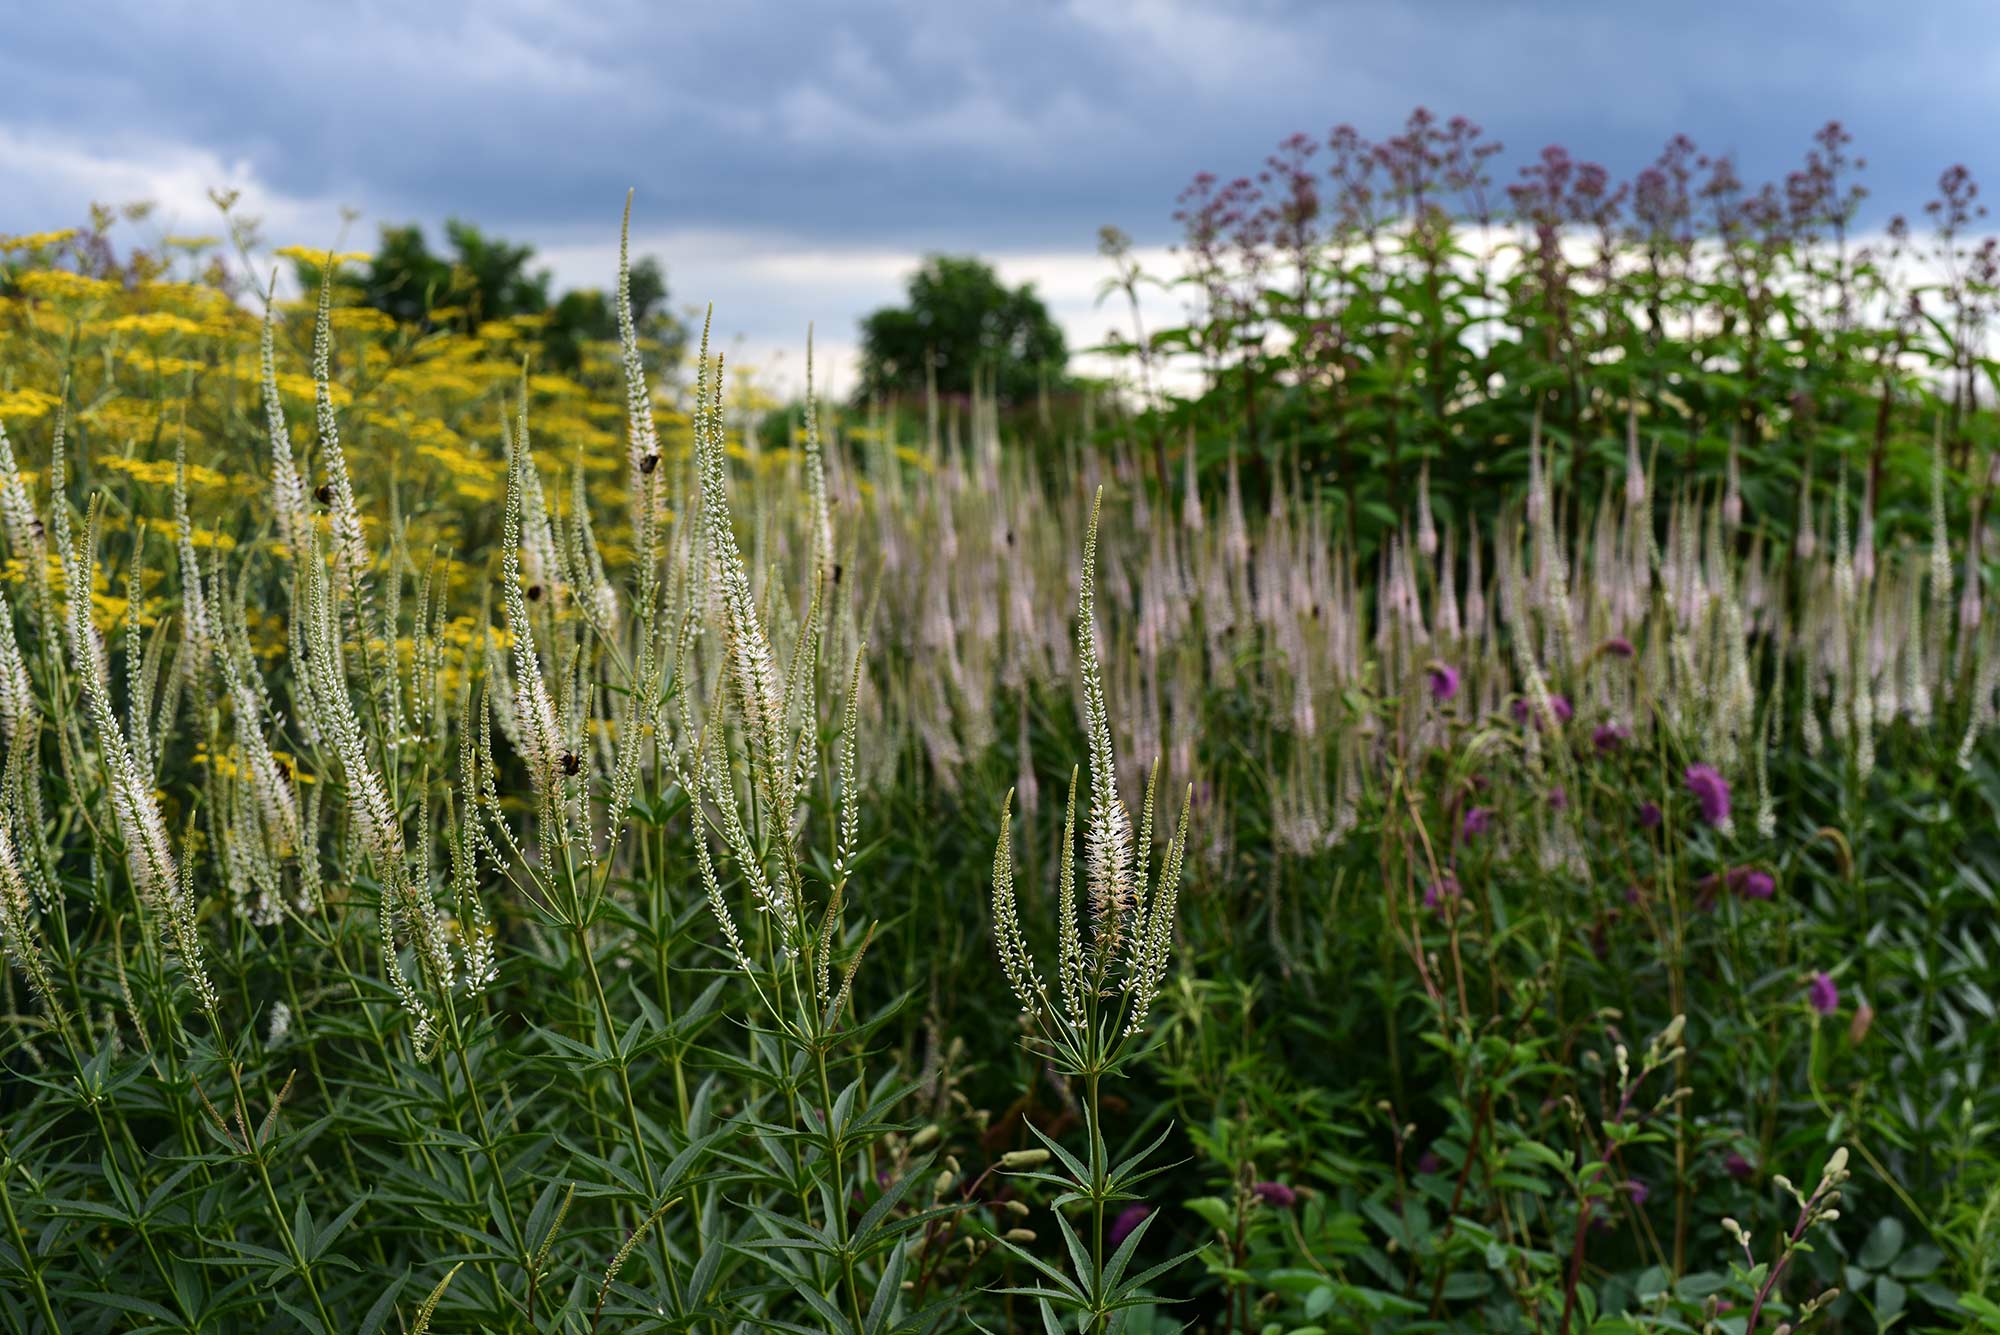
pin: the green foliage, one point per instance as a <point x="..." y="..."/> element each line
<point x="962" y="331"/>
<point x="485" y="279"/>
<point x="1386" y="326"/>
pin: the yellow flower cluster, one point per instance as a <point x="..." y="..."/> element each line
<point x="162" y="355"/>
<point x="36" y="240"/>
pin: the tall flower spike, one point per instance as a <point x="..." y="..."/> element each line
<point x="1082" y="1034"/>
<point x="822" y="517"/>
<point x="534" y="709"/>
<point x="17" y="691"/>
<point x="642" y="438"/>
<point x="1157" y="934"/>
<point x="276" y="801"/>
<point x="288" y="492"/>
<point x="17" y="511"/>
<point x="850" y="779"/>
<point x="1635" y="472"/>
<point x="350" y="541"/>
<point x="1069" y="934"/>
<point x="148" y="854"/>
<point x="20" y="932"/>
<point x="749" y="648"/>
<point x="194" y="602"/>
<point x="1008" y="939"/>
<point x="1108" y="852"/>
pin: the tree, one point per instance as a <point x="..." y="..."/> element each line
<point x="969" y="328"/>
<point x="404" y="279"/>
<point x="485" y="278"/>
<point x="590" y="315"/>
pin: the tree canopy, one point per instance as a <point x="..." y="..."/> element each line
<point x="485" y="278"/>
<point x="967" y="327"/>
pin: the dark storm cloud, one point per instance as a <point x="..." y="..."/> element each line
<point x="955" y="123"/>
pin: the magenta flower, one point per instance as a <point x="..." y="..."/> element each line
<point x="1617" y="646"/>
<point x="1558" y="706"/>
<point x="1128" y="1219"/>
<point x="1558" y="798"/>
<point x="1711" y="793"/>
<point x="1746" y="882"/>
<point x="1649" y="815"/>
<point x="1440" y="893"/>
<point x="1477" y="821"/>
<point x="1443" y="680"/>
<point x="1823" y="994"/>
<point x="1276" y="1193"/>
<point x="1428" y="1162"/>
<point x="1753" y="884"/>
<point x="1738" y="1167"/>
<point x="1609" y="737"/>
<point x="1638" y="1191"/>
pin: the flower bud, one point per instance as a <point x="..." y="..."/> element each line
<point x="1014" y="1160"/>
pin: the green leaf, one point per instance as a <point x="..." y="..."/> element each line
<point x="1884" y="1244"/>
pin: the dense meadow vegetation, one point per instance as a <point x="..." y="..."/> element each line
<point x="1460" y="796"/>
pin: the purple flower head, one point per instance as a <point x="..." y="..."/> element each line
<point x="1559" y="707"/>
<point x="1617" y="646"/>
<point x="1558" y="798"/>
<point x="1638" y="1191"/>
<point x="1649" y="815"/>
<point x="1823" y="994"/>
<point x="1739" y="1167"/>
<point x="1428" y="1162"/>
<point x="1440" y="893"/>
<point x="1443" y="681"/>
<point x="1711" y="792"/>
<point x="1478" y="820"/>
<point x="1128" y="1219"/>
<point x="1609" y="737"/>
<point x="1276" y="1193"/>
<point x="1748" y="882"/>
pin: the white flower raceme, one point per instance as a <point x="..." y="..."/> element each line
<point x="17" y="509"/>
<point x="350" y="541"/>
<point x="540" y="733"/>
<point x="288" y="491"/>
<point x="1131" y="930"/>
<point x="20" y="931"/>
<point x="149" y="857"/>
<point x="17" y="691"/>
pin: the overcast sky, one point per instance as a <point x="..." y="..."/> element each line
<point x="792" y="161"/>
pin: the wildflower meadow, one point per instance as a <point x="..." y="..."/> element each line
<point x="1455" y="790"/>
